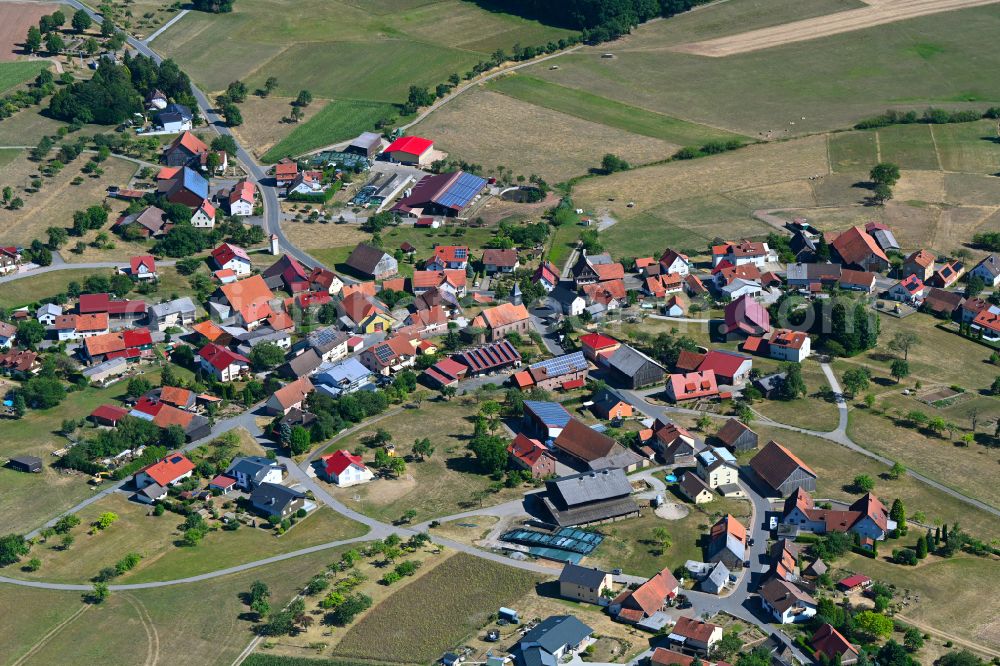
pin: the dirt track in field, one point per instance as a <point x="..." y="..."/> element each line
<point x="15" y="19"/>
<point x="879" y="12"/>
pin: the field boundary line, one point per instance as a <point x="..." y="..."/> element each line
<point x="931" y="629"/>
<point x="878" y="147"/>
<point x="937" y="153"/>
<point x="44" y="640"/>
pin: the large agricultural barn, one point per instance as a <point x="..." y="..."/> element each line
<point x="448" y="194"/>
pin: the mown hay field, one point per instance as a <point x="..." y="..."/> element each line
<point x="436" y="612"/>
<point x="817" y="85"/>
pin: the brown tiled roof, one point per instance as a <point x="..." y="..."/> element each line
<point x="583" y="441"/>
<point x="694" y="629"/>
<point x="731" y="431"/>
<point x="782" y="595"/>
<point x="854" y="245"/>
<point x="501" y="315"/>
<point x="775" y="464"/>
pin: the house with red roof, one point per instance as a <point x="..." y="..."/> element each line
<point x="987" y="323"/>
<point x="203" y="216"/>
<point x="410" y="150"/>
<point x="746" y="316"/>
<point x="290" y="396"/>
<point x="185" y="150"/>
<point x="947" y="275"/>
<point x="167" y="472"/>
<point x="691" y="386"/>
<point x="909" y="290"/>
<point x="728" y="367"/>
<point x="651" y="597"/>
<point x="249" y="301"/>
<point x="448" y="256"/>
<point x="547" y="275"/>
<point x="450" y="280"/>
<point x="446" y="372"/>
<point x="856" y="247"/>
<point x="831" y="644"/>
<point x="500" y="260"/>
<point x="532" y="455"/>
<point x="867" y="516"/>
<point x="131" y="344"/>
<point x="672" y="261"/>
<point x="787" y="345"/>
<point x="598" y="348"/>
<point x="232" y="257"/>
<point x="224" y="484"/>
<point x="345" y="469"/>
<point x="142" y="267"/>
<point x="854" y="582"/>
<point x="285" y="171"/>
<point x="224" y="364"/>
<point x="388" y="357"/>
<point x="743" y="252"/>
<point x="241" y="198"/>
<point x="107" y="415"/>
<point x="919" y="263"/>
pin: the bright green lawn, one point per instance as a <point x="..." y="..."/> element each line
<point x="606" y="111"/>
<point x="15" y="73"/>
<point x="30" y="289"/>
<point x="340" y="119"/>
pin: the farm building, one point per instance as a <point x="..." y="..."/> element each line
<point x="588" y="498"/>
<point x="782" y="470"/>
<point x="546" y="418"/>
<point x="559" y="372"/>
<point x="366" y="144"/>
<point x="447" y="194"/>
<point x="410" y="150"/>
<point x="633" y="369"/>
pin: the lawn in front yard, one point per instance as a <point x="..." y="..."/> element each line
<point x="628" y="543"/>
<point x="836" y="466"/>
<point x="156" y="539"/>
<point x="811" y="412"/>
<point x="448" y="482"/>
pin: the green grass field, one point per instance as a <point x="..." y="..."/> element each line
<point x="366" y="53"/>
<point x="430" y="615"/>
<point x="809" y="86"/>
<point x="968" y="147"/>
<point x="338" y="120"/>
<point x="909" y="146"/>
<point x="606" y="111"/>
<point x="15" y="73"/>
<point x="851" y="152"/>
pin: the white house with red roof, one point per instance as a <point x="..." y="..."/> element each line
<point x="344" y="469"/>
<point x="224" y="364"/>
<point x="410" y="150"/>
<point x="675" y="262"/>
<point x="743" y="252"/>
<point x="786" y="345"/>
<point x="171" y="470"/>
<point x="547" y="275"/>
<point x="448" y="256"/>
<point x="598" y="348"/>
<point x="909" y="290"/>
<point x="240" y="199"/>
<point x="204" y="215"/>
<point x="142" y="267"/>
<point x="232" y="257"/>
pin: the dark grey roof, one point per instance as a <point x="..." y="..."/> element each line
<point x="583" y="576"/>
<point x="770" y="383"/>
<point x="591" y="486"/>
<point x="609" y="398"/>
<point x="254" y="467"/>
<point x="274" y="498"/>
<point x="629" y="361"/>
<point x="302" y="365"/>
<point x="325" y="339"/>
<point x="719" y="575"/>
<point x="365" y="258"/>
<point x="555" y="633"/>
<point x="152" y="491"/>
<point x="990" y="264"/>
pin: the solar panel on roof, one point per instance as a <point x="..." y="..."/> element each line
<point x="384" y="353"/>
<point x="551" y="413"/>
<point x="461" y="192"/>
<point x="562" y="365"/>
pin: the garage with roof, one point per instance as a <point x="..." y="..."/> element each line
<point x="410" y="150"/>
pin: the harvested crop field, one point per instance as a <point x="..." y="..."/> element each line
<point x="491" y="129"/>
<point x="879" y="12"/>
<point x="417" y="623"/>
<point x="15" y="19"/>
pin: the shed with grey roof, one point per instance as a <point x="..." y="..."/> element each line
<point x="632" y="369"/>
<point x="178" y="312"/>
<point x="716" y="580"/>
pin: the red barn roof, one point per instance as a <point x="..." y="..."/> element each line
<point x="414" y="145"/>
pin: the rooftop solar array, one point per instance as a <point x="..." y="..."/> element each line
<point x="461" y="192"/>
<point x="488" y="357"/>
<point x="384" y="353"/>
<point x="550" y="413"/>
<point x="562" y="365"/>
<point x="567" y="538"/>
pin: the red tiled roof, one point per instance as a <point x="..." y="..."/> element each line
<point x="242" y="191"/>
<point x="831" y="642"/>
<point x="109" y="413"/>
<point x="693" y="385"/>
<point x="220" y="357"/>
<point x="222" y="481"/>
<point x="527" y="450"/>
<point x="775" y="464"/>
<point x="451" y="253"/>
<point x="855" y="245"/>
<point x="143" y="260"/>
<point x="169" y="469"/>
<point x="596" y="341"/>
<point x="191" y="143"/>
<point x="227" y="252"/>
<point x="249" y="297"/>
<point x="722" y="363"/>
